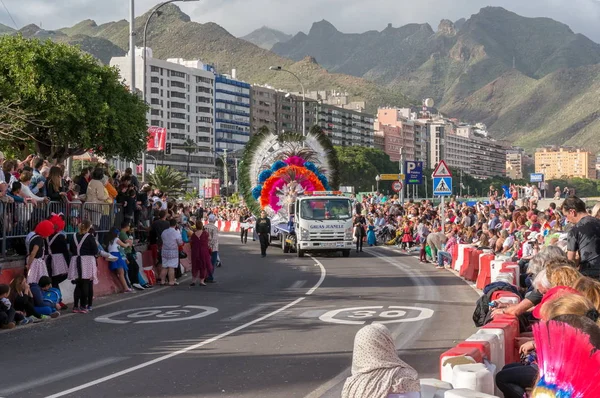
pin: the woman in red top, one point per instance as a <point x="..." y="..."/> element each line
<point x="201" y="263"/>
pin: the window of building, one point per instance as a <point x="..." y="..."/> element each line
<point x="154" y="68"/>
<point x="155" y="112"/>
<point x="203" y="129"/>
<point x="205" y="119"/>
<point x="155" y="79"/>
<point x="175" y="94"/>
<point x="206" y="90"/>
<point x="176" y="115"/>
<point x="177" y="105"/>
<point x="179" y="126"/>
<point x="203" y="109"/>
<point x="178" y="136"/>
<point x="177" y="74"/>
<point x="154" y="101"/>
<point x="177" y="84"/>
<point x="154" y="90"/>
<point x="202" y="139"/>
<point x="202" y="79"/>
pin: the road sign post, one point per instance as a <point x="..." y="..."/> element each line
<point x="413" y="172"/>
<point x="442" y="186"/>
<point x="397" y="186"/>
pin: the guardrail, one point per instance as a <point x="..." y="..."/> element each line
<point x="19" y="219"/>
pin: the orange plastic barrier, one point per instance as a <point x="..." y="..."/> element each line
<point x="467" y="261"/>
<point x="472" y="270"/>
<point x="510" y="325"/>
<point x="484" y="278"/>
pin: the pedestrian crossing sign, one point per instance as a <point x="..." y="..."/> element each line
<point x="442" y="186"/>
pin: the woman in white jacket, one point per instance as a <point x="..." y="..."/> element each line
<point x="25" y="178"/>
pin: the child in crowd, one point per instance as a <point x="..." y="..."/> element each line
<point x="113" y="245"/>
<point x="82" y="268"/>
<point x="9" y="318"/>
<point x="43" y="306"/>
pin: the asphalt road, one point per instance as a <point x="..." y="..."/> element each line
<point x="274" y="327"/>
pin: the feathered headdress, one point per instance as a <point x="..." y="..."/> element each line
<point x="277" y="168"/>
<point x="569" y="364"/>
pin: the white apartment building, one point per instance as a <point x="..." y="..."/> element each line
<point x="181" y="98"/>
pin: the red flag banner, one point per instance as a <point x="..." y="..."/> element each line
<point x="157" y="138"/>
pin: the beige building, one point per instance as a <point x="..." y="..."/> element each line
<point x="556" y="162"/>
<point x="279" y="111"/>
<point x="514" y="164"/>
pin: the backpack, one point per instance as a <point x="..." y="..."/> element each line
<point x="482" y="313"/>
<point x="52" y="297"/>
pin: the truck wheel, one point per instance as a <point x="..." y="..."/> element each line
<point x="346" y="253"/>
<point x="282" y="239"/>
<point x="300" y="252"/>
<point x="286" y="247"/>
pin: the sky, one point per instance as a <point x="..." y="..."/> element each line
<point x="240" y="17"/>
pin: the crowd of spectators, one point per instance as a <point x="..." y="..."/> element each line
<point x="557" y="249"/>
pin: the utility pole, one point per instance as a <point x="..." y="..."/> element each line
<point x="402" y="172"/>
<point x="461" y="184"/>
<point x="132" y="44"/>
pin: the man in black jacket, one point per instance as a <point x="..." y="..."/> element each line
<point x="263" y="229"/>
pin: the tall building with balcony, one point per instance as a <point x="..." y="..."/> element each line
<point x="514" y="163"/>
<point x="346" y="127"/>
<point x="180" y="94"/>
<point x="279" y="110"/>
<point x="559" y="162"/>
<point x="232" y="113"/>
<point x="398" y="132"/>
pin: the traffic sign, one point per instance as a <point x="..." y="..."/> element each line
<point x="391" y="177"/>
<point x="442" y="186"/>
<point x="536" y="177"/>
<point x="397" y="186"/>
<point x="442" y="170"/>
<point x="414" y="172"/>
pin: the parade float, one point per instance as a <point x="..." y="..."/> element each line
<point x="293" y="178"/>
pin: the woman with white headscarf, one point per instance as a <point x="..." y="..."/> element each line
<point x="377" y="372"/>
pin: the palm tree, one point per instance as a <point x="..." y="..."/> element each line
<point x="168" y="180"/>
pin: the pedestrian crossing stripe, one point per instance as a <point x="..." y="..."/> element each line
<point x="442" y="186"/>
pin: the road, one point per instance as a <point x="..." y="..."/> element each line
<point x="269" y="328"/>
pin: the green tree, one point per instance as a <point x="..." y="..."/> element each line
<point x="359" y="166"/>
<point x="79" y="105"/>
<point x="168" y="180"/>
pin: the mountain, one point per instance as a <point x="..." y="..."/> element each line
<point x="5" y="29"/>
<point x="212" y="44"/>
<point x="457" y="63"/>
<point x="99" y="47"/>
<point x="266" y="37"/>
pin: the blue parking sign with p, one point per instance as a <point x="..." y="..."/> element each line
<point x="414" y="172"/>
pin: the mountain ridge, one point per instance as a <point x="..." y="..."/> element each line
<point x="266" y="37"/>
<point x="456" y="64"/>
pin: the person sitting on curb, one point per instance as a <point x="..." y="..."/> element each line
<point x="22" y="299"/>
<point x="377" y="372"/>
<point x="9" y="318"/>
<point x="42" y="305"/>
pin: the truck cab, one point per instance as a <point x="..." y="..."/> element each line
<point x="323" y="222"/>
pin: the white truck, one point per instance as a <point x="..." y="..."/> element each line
<point x="320" y="222"/>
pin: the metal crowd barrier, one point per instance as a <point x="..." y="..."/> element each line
<point x="19" y="219"/>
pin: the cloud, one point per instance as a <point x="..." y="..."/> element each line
<point x="242" y="16"/>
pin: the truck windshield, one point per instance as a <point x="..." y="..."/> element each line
<point x="326" y="209"/>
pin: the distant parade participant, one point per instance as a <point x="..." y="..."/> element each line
<point x="263" y="229"/>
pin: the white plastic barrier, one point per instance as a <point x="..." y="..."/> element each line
<point x="498" y="360"/>
<point x="517" y="271"/>
<point x="466" y="393"/>
<point x="434" y="388"/>
<point x="495" y="267"/>
<point x="496" y="348"/>
<point x="507" y="277"/>
<point x="448" y="363"/>
<point x="477" y="377"/>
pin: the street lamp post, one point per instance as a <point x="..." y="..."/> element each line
<point x="377" y="178"/>
<point x="154" y="11"/>
<point x="280" y="69"/>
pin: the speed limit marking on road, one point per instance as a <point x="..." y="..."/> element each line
<point x="377" y="314"/>
<point x="168" y="313"/>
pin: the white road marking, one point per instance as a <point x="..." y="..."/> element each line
<point x="40" y="381"/>
<point x="174" y="315"/>
<point x="392" y="312"/>
<point x="194" y="346"/>
<point x="298" y="284"/>
<point x="323" y="275"/>
<point x="248" y="312"/>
